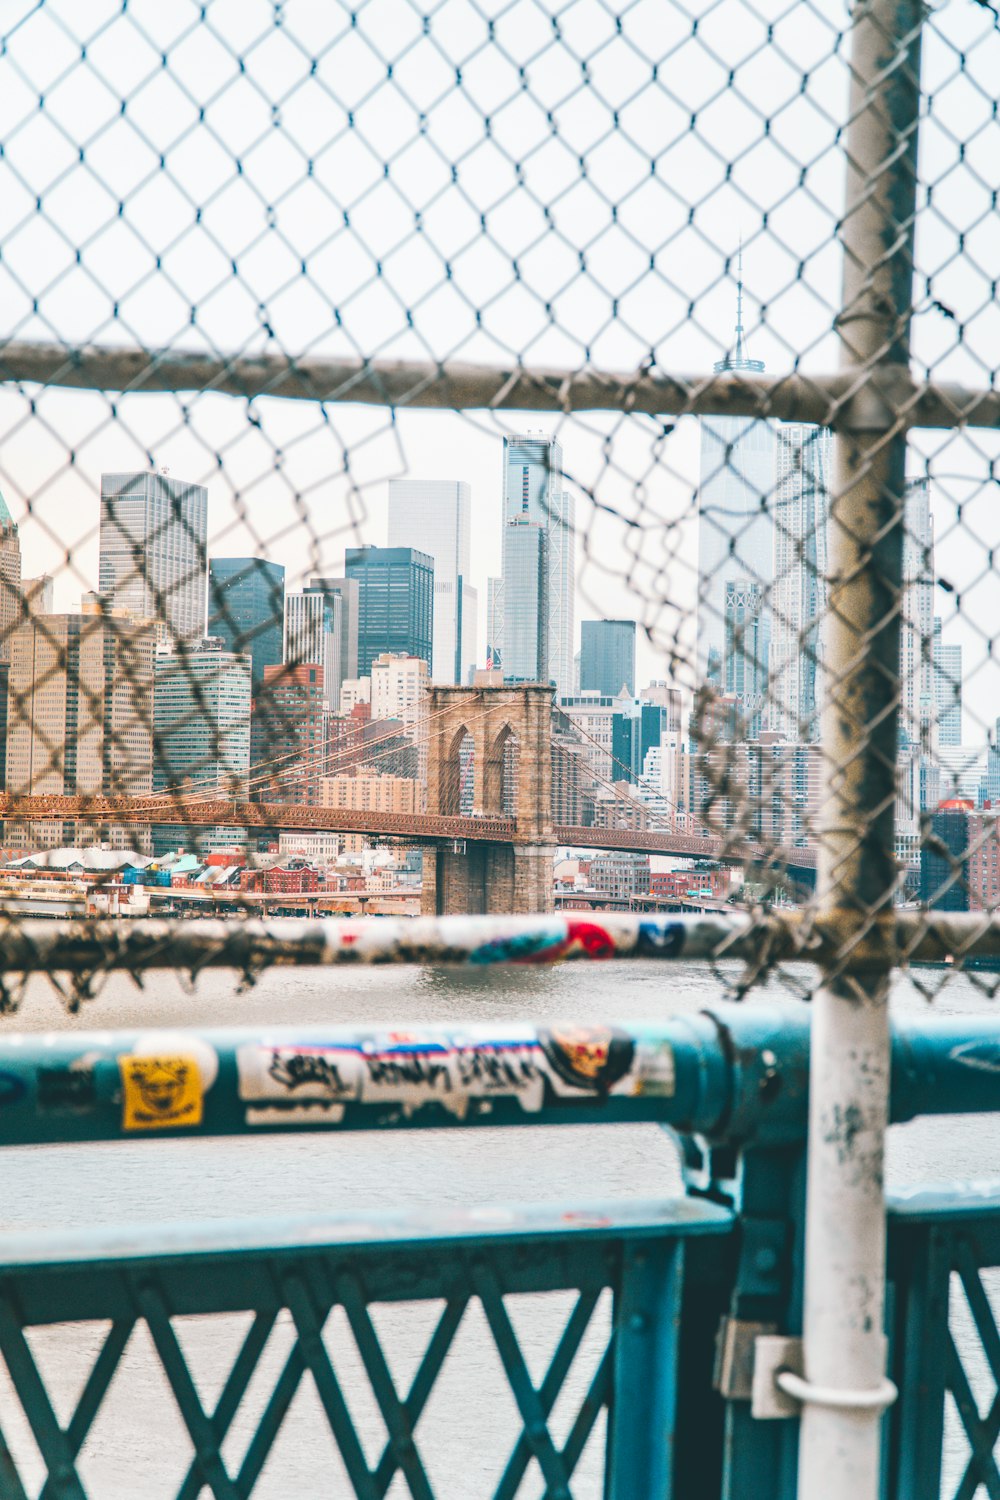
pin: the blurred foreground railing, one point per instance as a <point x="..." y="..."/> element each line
<point x="84" y="949"/>
<point x="653" y="1288"/>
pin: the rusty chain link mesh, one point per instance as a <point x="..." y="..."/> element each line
<point x="260" y="262"/>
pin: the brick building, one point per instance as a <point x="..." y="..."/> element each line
<point x="79" y="719"/>
<point x="279" y="881"/>
<point x="687" y="884"/>
<point x="983" y="844"/>
<point x="371" y="790"/>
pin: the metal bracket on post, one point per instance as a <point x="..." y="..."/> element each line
<point x="773" y="1356"/>
<point x="735" y="1365"/>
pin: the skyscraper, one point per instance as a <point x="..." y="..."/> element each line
<point x="947" y="688"/>
<point x="735" y="528"/>
<point x="246" y="608"/>
<point x="798" y="600"/>
<point x="539" y="564"/>
<point x="607" y="656"/>
<point x="346" y="589"/>
<point x="918" y="687"/>
<point x="562" y="589"/>
<point x="314" y="620"/>
<point x="201" y="715"/>
<point x="744" y="659"/>
<point x="153" y="555"/>
<point x="991" y="777"/>
<point x="395" y="602"/>
<point x="525" y="646"/>
<point x="434" y="516"/>
<point x="80" y="715"/>
<point x="494" y="623"/>
<point x="10" y="579"/>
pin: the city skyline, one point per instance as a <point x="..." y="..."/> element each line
<point x="764" y="518"/>
<point x="790" y="441"/>
<point x="664" y="772"/>
<point x="245" y="603"/>
<point x="651" y="661"/>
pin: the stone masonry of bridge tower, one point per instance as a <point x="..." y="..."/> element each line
<point x="491" y="877"/>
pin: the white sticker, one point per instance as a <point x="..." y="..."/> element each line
<point x="293" y="1074"/>
<point x="406" y="1070"/>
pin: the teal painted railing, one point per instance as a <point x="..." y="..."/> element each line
<point x="675" y="1293"/>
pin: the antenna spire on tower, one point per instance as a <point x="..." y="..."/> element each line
<point x="739" y="359"/>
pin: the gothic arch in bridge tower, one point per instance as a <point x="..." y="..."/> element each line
<point x="501" y="773"/>
<point x="458" y="772"/>
<point x="510" y="778"/>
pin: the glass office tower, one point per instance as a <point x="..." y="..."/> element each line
<point x="607" y="657"/>
<point x="395" y="602"/>
<point x="539" y="564"/>
<point x="246" y="608"/>
<point x="153" y="551"/>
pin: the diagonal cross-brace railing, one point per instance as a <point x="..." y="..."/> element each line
<point x="308" y="1267"/>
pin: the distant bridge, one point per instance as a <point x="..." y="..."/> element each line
<point x="275" y="817"/>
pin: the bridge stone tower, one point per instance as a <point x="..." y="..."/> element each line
<point x="491" y="877"/>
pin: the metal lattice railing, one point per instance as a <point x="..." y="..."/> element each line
<point x="291" y="1294"/>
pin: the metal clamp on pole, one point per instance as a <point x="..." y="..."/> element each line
<point x="802" y="1391"/>
<point x="780" y="1389"/>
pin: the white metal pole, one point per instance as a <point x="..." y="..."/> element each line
<point x="844" y="1389"/>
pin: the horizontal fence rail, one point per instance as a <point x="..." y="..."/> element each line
<point x="141" y="944"/>
<point x="827" y="400"/>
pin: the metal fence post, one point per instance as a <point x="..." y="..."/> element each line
<point x="844" y="1390"/>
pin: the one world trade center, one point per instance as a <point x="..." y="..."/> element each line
<point x="736" y="545"/>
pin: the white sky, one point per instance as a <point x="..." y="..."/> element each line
<point x="532" y="189"/>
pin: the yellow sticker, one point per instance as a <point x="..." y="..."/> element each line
<point x="160" y="1093"/>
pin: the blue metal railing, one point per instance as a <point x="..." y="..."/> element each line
<point x="736" y="1074"/>
<point x="721" y="1267"/>
<point x="305" y="1267"/>
<point x="940" y="1243"/>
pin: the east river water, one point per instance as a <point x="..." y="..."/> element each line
<point x="138" y="1446"/>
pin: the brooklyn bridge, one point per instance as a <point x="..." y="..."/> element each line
<point x="488" y="827"/>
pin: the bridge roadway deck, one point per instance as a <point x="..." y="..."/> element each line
<point x="414" y="827"/>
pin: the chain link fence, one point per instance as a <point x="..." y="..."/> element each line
<point x="550" y="295"/>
